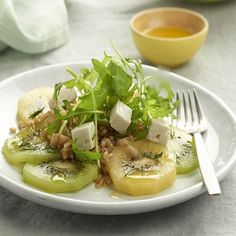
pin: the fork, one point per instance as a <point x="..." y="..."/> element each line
<point x="191" y="119"/>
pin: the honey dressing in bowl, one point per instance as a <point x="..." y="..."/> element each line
<point x="167" y="32"/>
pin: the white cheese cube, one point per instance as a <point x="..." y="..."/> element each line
<point x="84" y="136"/>
<point x="120" y="117"/>
<point x="69" y="94"/>
<point x="158" y="131"/>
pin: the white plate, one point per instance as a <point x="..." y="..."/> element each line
<point x="220" y="140"/>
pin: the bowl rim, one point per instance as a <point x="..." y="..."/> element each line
<point x="178" y="9"/>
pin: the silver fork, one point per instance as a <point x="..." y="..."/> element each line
<point x="191" y="119"/>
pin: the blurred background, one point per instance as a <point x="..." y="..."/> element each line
<point x="92" y="24"/>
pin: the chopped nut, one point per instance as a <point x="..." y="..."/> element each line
<point x="58" y="140"/>
<point x="54" y="140"/>
<point x="123" y="142"/>
<point x="62" y="140"/>
<point x="12" y="130"/>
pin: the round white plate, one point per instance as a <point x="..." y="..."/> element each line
<point x="220" y="140"/>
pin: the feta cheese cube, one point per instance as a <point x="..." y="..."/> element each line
<point x="69" y="94"/>
<point x="120" y="117"/>
<point x="158" y="131"/>
<point x="83" y="135"/>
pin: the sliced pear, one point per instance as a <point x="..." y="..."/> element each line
<point x="33" y="101"/>
<point x="181" y="147"/>
<point x="60" y="176"/>
<point x="27" y="146"/>
<point x="148" y="173"/>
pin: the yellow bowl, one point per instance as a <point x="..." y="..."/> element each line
<point x="170" y="52"/>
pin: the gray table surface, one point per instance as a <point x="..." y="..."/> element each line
<point x="92" y="24"/>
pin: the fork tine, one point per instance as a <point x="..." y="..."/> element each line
<point x="193" y="109"/>
<point x="190" y="106"/>
<point x="188" y="116"/>
<point x="198" y="107"/>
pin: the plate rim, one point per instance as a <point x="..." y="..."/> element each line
<point x="95" y="207"/>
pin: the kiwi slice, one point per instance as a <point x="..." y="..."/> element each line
<point x="143" y="168"/>
<point x="27" y="146"/>
<point x="181" y="147"/>
<point x="60" y="176"/>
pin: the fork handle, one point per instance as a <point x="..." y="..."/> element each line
<point x="206" y="167"/>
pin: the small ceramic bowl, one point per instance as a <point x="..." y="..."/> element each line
<point x="167" y="51"/>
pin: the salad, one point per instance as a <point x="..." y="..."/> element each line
<point x="103" y="125"/>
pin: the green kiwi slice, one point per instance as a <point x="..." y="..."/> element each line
<point x="60" y="176"/>
<point x="181" y="146"/>
<point x="27" y="146"/>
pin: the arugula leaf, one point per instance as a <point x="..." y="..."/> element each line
<point x="89" y="75"/>
<point x="57" y="89"/>
<point x="54" y="127"/>
<point x="121" y="80"/>
<point x="157" y="105"/>
<point x="33" y="115"/>
<point x="79" y="113"/>
<point x="165" y="86"/>
<point x="100" y="68"/>
<point x="83" y="82"/>
<point x="101" y="94"/>
<point x="85" y="155"/>
<point x="67" y="105"/>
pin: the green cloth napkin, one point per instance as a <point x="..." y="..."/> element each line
<point x="33" y="26"/>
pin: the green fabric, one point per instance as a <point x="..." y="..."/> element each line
<point x="2" y="46"/>
<point x="33" y="26"/>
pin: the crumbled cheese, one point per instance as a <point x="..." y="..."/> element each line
<point x="120" y="117"/>
<point x="84" y="136"/>
<point x="158" y="131"/>
<point x="69" y="94"/>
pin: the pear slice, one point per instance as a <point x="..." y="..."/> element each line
<point x="150" y="172"/>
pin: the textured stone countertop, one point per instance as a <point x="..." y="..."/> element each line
<point x="92" y="24"/>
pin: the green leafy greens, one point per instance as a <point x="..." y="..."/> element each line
<point x="101" y="86"/>
<point x="85" y="155"/>
<point x="36" y="113"/>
